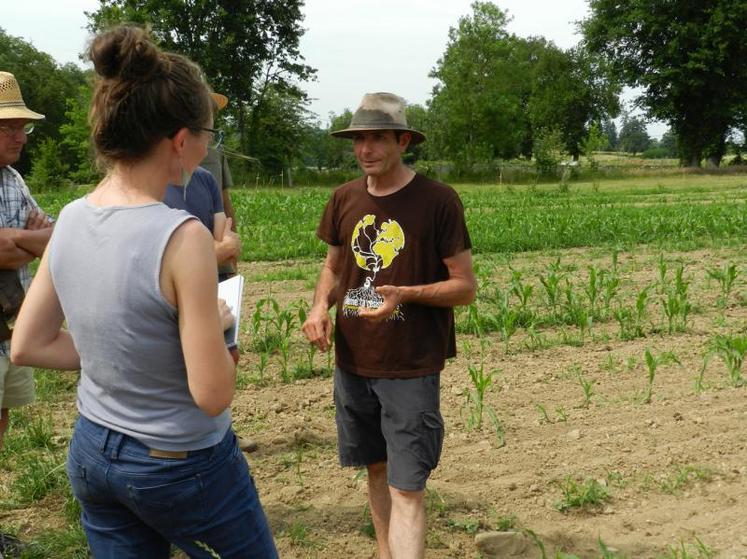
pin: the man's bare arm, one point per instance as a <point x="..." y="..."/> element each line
<point x="318" y="326"/>
<point x="33" y="241"/>
<point x="12" y="257"/>
<point x="228" y="208"/>
<point x="459" y="289"/>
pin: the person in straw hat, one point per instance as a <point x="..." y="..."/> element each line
<point x="398" y="261"/>
<point x="24" y="232"/>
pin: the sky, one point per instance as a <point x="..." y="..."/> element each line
<point x="357" y="46"/>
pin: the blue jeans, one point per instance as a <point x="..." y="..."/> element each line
<point x="136" y="506"/>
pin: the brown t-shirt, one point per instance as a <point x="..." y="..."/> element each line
<point x="399" y="239"/>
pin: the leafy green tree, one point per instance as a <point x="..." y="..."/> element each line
<point x="48" y="170"/>
<point x="75" y="136"/>
<point x="668" y="144"/>
<point x="326" y="151"/>
<point x="477" y="110"/>
<point x="690" y="58"/>
<point x="570" y="91"/>
<point x="633" y="136"/>
<point x="249" y="50"/>
<point x="609" y="129"/>
<point x="496" y="90"/>
<point x="282" y="126"/>
<point x="46" y="86"/>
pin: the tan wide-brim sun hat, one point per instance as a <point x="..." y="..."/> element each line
<point x="11" y="101"/>
<point x="380" y="111"/>
<point x="220" y="100"/>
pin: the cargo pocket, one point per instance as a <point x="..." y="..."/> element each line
<point x="433" y="437"/>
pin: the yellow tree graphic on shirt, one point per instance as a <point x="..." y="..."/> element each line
<point x="374" y="249"/>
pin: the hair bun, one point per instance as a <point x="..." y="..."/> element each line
<point x="126" y="52"/>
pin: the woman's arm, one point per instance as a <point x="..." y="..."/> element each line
<point x="38" y="338"/>
<point x="188" y="280"/>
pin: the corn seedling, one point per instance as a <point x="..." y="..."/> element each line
<point x="264" y="359"/>
<point x="588" y="387"/>
<point x="561" y="414"/>
<point x="271" y="326"/>
<point x="610" y="287"/>
<point x="367" y="526"/>
<point x="609" y="364"/>
<point x="500" y="432"/>
<point x="675" y="303"/>
<point x="537" y="541"/>
<point x="593" y="287"/>
<point x="522" y="291"/>
<point x="725" y="276"/>
<point x="731" y="350"/>
<point x="544" y="418"/>
<point x="551" y="283"/>
<point x="284" y="359"/>
<point x="481" y="382"/>
<point x="575" y="312"/>
<point x="652" y="363"/>
<point x="615" y="261"/>
<point x="580" y="495"/>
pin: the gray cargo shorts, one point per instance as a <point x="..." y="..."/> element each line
<point x="396" y="421"/>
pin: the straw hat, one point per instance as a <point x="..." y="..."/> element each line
<point x="220" y="100"/>
<point x="11" y="101"/>
<point x="380" y="111"/>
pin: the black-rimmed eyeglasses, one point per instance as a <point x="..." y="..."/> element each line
<point x="216" y="136"/>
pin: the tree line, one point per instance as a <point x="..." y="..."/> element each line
<point x="498" y="96"/>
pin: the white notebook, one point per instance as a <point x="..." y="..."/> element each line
<point x="230" y="291"/>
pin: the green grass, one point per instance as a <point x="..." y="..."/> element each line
<point x="581" y="495"/>
<point x="678" y="210"/>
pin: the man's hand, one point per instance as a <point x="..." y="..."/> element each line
<point x="226" y="316"/>
<point x="318" y="328"/>
<point x="229" y="247"/>
<point x="37" y="219"/>
<point x="392" y="299"/>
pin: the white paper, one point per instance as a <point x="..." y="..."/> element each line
<point x="230" y="291"/>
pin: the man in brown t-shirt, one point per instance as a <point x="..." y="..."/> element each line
<point x="398" y="261"/>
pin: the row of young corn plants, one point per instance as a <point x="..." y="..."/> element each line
<point x="276" y="339"/>
<point x="558" y="299"/>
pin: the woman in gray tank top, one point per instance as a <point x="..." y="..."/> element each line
<point x="152" y="460"/>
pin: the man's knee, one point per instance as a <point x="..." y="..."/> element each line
<point x="410" y="497"/>
<point x="376" y="470"/>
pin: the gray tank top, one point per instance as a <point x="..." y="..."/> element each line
<point x="105" y="265"/>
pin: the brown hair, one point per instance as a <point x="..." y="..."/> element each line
<point x="142" y="95"/>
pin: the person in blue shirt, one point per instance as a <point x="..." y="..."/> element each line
<point x="202" y="198"/>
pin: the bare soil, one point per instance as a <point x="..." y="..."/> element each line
<point x="675" y="468"/>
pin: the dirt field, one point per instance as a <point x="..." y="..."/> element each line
<point x="675" y="469"/>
